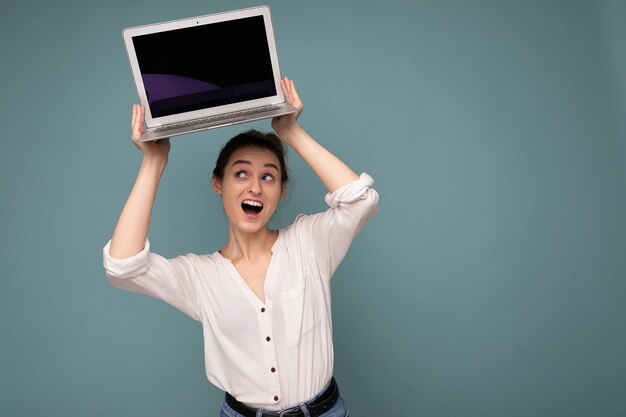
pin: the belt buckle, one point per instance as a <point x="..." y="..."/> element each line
<point x="291" y="412"/>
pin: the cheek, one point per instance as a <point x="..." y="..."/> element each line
<point x="229" y="201"/>
<point x="277" y="194"/>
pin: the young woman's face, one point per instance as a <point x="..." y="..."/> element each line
<point x="250" y="188"/>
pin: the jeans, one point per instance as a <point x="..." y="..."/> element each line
<point x="337" y="410"/>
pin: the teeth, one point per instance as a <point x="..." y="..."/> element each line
<point x="253" y="203"/>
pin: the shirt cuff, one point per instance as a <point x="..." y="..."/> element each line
<point x="350" y="192"/>
<point x="130" y="267"/>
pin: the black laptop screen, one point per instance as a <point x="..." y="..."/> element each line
<point x="205" y="66"/>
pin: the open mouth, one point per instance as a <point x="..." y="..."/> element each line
<point x="252" y="207"/>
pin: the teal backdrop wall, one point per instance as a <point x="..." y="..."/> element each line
<point x="492" y="283"/>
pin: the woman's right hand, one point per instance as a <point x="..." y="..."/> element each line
<point x="159" y="148"/>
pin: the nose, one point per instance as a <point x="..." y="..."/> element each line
<point x="255" y="186"/>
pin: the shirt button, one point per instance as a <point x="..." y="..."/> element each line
<point x="273" y="369"/>
<point x="276" y="398"/>
<point x="263" y="310"/>
<point x="268" y="338"/>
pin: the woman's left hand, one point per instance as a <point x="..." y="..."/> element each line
<point x="292" y="97"/>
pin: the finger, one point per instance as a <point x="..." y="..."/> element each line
<point x="294" y="92"/>
<point x="135" y="122"/>
<point x="134" y="118"/>
<point x="296" y="102"/>
<point x="142" y="116"/>
<point x="285" y="87"/>
<point x="138" y="120"/>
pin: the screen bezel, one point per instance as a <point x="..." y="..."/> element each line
<point x="151" y="121"/>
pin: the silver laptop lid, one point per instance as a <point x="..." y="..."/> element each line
<point x="205" y="66"/>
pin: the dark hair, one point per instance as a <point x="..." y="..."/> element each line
<point x="256" y="139"/>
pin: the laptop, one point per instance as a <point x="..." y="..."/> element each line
<point x="206" y="72"/>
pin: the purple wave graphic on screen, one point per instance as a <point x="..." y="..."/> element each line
<point x="164" y="86"/>
<point x="174" y="94"/>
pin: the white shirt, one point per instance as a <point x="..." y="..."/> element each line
<point x="275" y="354"/>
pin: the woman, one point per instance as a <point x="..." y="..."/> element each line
<point x="264" y="298"/>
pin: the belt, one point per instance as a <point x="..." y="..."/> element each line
<point x="316" y="407"/>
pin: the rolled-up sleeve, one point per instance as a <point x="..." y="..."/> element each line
<point x="330" y="233"/>
<point x="171" y="280"/>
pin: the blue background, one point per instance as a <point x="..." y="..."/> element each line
<point x="492" y="283"/>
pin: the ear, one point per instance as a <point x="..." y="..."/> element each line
<point x="282" y="190"/>
<point x="217" y="185"/>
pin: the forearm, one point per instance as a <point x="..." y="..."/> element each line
<point x="131" y="230"/>
<point x="331" y="170"/>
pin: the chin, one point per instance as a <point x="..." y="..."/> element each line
<point x="249" y="227"/>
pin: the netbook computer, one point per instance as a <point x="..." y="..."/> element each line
<point x="206" y="72"/>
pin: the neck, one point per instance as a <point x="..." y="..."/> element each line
<point x="249" y="246"/>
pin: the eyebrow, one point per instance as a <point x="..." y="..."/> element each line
<point x="243" y="161"/>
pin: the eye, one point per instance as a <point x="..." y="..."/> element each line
<point x="267" y="177"/>
<point x="241" y="174"/>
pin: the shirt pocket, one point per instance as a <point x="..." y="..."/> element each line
<point x="301" y="313"/>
